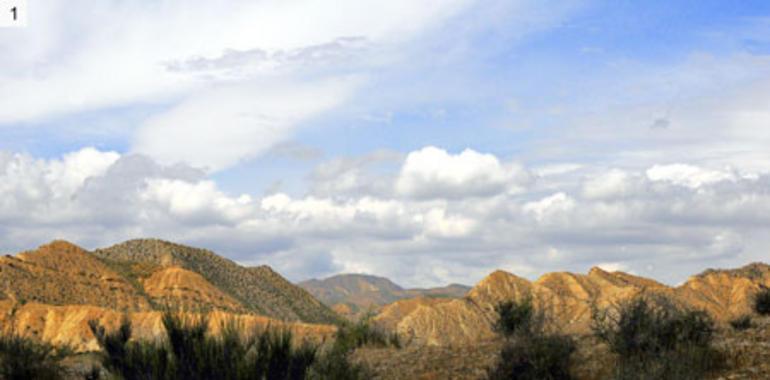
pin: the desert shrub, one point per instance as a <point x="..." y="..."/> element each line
<point x="655" y="339"/>
<point x="741" y="323"/>
<point x="27" y="358"/>
<point x="363" y="333"/>
<point x="131" y="360"/>
<point x="188" y="351"/>
<point x="537" y="357"/>
<point x="762" y="301"/>
<point x="528" y="351"/>
<point x="515" y="317"/>
<point x="334" y="364"/>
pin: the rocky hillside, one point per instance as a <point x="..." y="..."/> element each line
<point x="51" y="292"/>
<point x="568" y="299"/>
<point x="256" y="289"/>
<point x="61" y="273"/>
<point x="356" y="293"/>
<point x="68" y="324"/>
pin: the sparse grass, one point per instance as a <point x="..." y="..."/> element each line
<point x="654" y="339"/>
<point x="27" y="358"/>
<point x="529" y="352"/>
<point x="741" y="323"/>
<point x="762" y="301"/>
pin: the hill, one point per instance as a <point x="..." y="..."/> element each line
<point x="256" y="289"/>
<point x="353" y="294"/>
<point x="53" y="291"/>
<point x="568" y="299"/>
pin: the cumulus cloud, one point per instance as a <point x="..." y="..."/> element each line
<point x="687" y="175"/>
<point x="680" y="216"/>
<point x="434" y="173"/>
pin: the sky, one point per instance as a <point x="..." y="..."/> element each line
<point x="430" y="142"/>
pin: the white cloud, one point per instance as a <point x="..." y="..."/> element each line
<point x="236" y="77"/>
<point x="551" y="209"/>
<point x="434" y="173"/>
<point x="687" y="175"/>
<point x="616" y="218"/>
<point x="611" y="184"/>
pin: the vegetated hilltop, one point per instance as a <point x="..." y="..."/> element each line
<point x="568" y="300"/>
<point x="61" y="273"/>
<point x="53" y="291"/>
<point x="352" y="294"/>
<point x="256" y="289"/>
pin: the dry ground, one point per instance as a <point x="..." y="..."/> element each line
<point x="748" y="356"/>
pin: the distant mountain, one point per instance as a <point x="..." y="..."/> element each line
<point x="355" y="293"/>
<point x="568" y="298"/>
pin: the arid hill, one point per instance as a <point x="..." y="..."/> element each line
<point x="257" y="289"/>
<point x="568" y="300"/>
<point x="352" y="294"/>
<point x="53" y="291"/>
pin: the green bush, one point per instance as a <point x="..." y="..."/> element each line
<point x="741" y="323"/>
<point x="762" y="301"/>
<point x="362" y="333"/>
<point x="27" y="358"/>
<point x="528" y="351"/>
<point x="515" y="317"/>
<point x="655" y="339"/>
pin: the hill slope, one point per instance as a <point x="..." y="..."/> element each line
<point x="359" y="292"/>
<point x="61" y="273"/>
<point x="257" y="289"/>
<point x="568" y="298"/>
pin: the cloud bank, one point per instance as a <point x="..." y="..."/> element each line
<point x="437" y="217"/>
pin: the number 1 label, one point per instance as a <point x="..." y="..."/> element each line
<point x="13" y="13"/>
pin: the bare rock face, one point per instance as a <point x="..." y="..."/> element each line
<point x="567" y="299"/>
<point x="176" y="287"/>
<point x="68" y="325"/>
<point x="725" y="294"/>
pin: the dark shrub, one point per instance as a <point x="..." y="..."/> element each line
<point x="335" y="365"/>
<point x="654" y="339"/>
<point x="27" y="358"/>
<point x="362" y="333"/>
<point x="741" y="323"/>
<point x="515" y="317"/>
<point x="529" y="352"/>
<point x="762" y="301"/>
<point x="189" y="352"/>
<point x="131" y="360"/>
<point x="537" y="357"/>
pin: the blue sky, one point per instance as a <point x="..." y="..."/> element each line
<point x="449" y="137"/>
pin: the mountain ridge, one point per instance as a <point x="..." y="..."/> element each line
<point x="568" y="299"/>
<point x="353" y="294"/>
